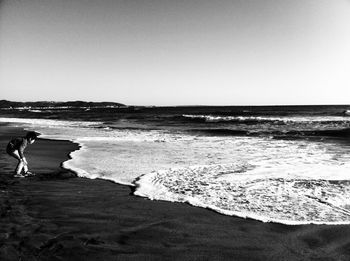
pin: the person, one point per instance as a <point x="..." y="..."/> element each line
<point x="16" y="148"/>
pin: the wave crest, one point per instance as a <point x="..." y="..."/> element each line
<point x="275" y="120"/>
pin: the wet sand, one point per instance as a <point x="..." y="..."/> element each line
<point x="58" y="216"/>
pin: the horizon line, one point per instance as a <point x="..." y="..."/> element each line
<point x="184" y="105"/>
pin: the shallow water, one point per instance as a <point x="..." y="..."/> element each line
<point x="290" y="169"/>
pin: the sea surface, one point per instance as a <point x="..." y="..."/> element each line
<point x="285" y="164"/>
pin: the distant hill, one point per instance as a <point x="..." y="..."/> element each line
<point x="50" y="104"/>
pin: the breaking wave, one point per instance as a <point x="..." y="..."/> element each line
<point x="340" y="133"/>
<point x="234" y="172"/>
<point x="261" y="119"/>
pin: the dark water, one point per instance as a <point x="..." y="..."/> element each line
<point x="288" y="122"/>
<point x="287" y="164"/>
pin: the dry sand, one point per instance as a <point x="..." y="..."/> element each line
<point x="57" y="216"/>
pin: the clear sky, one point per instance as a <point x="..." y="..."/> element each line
<point x="176" y="52"/>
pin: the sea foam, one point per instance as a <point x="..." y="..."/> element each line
<point x="288" y="201"/>
<point x="285" y="119"/>
<point x="291" y="182"/>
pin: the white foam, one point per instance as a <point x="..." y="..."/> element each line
<point x="255" y="166"/>
<point x="286" y="119"/>
<point x="35" y="110"/>
<point x="287" y="201"/>
<point x="49" y="122"/>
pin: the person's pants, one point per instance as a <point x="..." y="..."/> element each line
<point x="21" y="165"/>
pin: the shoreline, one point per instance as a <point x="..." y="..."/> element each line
<point x="59" y="216"/>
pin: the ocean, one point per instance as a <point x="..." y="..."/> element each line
<point x="284" y="164"/>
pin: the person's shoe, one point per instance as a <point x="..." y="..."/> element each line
<point x="29" y="174"/>
<point x="19" y="176"/>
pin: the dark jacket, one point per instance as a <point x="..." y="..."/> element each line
<point x="17" y="144"/>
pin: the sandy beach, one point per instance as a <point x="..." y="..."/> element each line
<point x="58" y="216"/>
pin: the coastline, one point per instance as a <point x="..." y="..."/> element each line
<point x="58" y="216"/>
